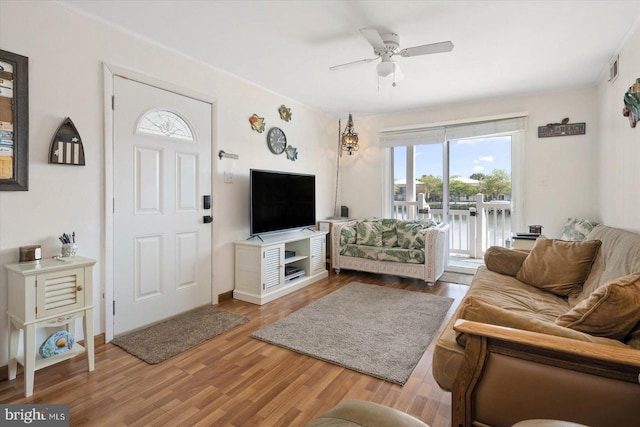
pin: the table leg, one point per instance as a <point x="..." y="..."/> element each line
<point x="29" y="358"/>
<point x="88" y="338"/>
<point x="14" y="343"/>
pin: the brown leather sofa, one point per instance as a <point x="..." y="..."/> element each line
<point x="508" y="354"/>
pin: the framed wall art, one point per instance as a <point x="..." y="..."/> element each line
<point x="14" y="122"/>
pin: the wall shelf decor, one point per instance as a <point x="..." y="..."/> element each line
<point x="14" y="122"/>
<point x="257" y="123"/>
<point x="285" y="113"/>
<point x="66" y="146"/>
<point x="562" y="129"/>
<point x="632" y="104"/>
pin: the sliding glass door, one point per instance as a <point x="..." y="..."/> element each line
<point x="467" y="182"/>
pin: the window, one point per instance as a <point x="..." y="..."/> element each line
<point x="165" y="123"/>
<point x="441" y="170"/>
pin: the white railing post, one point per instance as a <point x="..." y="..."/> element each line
<point x="481" y="229"/>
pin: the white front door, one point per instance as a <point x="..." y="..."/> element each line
<point x="161" y="171"/>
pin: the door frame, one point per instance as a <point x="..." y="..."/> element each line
<point x="109" y="72"/>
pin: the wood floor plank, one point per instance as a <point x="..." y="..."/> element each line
<point x="233" y="379"/>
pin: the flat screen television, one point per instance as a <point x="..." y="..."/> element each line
<point x="281" y="201"/>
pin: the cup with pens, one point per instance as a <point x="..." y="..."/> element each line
<point x="69" y="247"/>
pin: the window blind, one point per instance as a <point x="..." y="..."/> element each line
<point x="436" y="134"/>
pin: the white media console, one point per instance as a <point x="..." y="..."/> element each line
<point x="266" y="269"/>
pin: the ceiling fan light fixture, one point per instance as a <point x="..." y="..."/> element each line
<point x="385" y="69"/>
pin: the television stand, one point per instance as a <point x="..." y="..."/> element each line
<point x="260" y="266"/>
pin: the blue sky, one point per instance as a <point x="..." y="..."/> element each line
<point x="468" y="156"/>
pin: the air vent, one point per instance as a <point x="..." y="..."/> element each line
<point x="613" y="68"/>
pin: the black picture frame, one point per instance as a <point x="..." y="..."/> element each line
<point x="19" y="102"/>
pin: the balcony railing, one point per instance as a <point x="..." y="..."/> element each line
<point x="471" y="231"/>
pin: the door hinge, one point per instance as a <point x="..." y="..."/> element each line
<point x="114" y="307"/>
<point x="113" y="102"/>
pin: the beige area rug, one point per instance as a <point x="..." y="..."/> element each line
<point x="173" y="336"/>
<point x="376" y="330"/>
<point x="461" y="278"/>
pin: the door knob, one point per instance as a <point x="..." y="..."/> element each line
<point x="207" y="219"/>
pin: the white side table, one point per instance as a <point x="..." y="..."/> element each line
<point x="524" y="244"/>
<point x="50" y="293"/>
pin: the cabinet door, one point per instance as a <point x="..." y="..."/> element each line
<point x="59" y="292"/>
<point x="317" y="254"/>
<point x="272" y="267"/>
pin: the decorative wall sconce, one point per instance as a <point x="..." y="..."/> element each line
<point x="349" y="138"/>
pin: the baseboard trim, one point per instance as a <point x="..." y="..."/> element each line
<point x="4" y="370"/>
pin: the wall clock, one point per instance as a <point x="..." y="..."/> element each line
<point x="276" y="140"/>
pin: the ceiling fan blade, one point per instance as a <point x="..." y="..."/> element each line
<point x="349" y="64"/>
<point x="373" y="37"/>
<point x="427" y="49"/>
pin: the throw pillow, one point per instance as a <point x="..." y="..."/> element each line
<point x="559" y="266"/>
<point x="389" y="233"/>
<point x="503" y="260"/>
<point x="347" y="236"/>
<point x="369" y="233"/>
<point x="410" y="234"/>
<point x="611" y="311"/>
<point x="577" y="229"/>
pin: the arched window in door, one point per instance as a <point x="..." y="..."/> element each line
<point x="165" y="123"/>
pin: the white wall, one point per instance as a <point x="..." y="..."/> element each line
<point x="66" y="51"/>
<point x="559" y="173"/>
<point x="619" y="144"/>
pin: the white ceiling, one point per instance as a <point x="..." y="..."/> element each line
<point x="502" y="48"/>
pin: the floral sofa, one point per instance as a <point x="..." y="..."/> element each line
<point x="408" y="248"/>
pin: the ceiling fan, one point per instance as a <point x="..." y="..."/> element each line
<point x="387" y="45"/>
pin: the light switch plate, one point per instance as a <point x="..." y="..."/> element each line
<point x="228" y="178"/>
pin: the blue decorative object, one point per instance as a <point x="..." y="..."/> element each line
<point x="292" y="153"/>
<point x="57" y="343"/>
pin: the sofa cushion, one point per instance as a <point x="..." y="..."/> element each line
<point x="503" y="260"/>
<point x="389" y="233"/>
<point x="409" y="256"/>
<point x="347" y="236"/>
<point x="361" y="251"/>
<point x="369" y="233"/>
<point x="611" y="311"/>
<point x="559" y="266"/>
<point x="479" y="310"/>
<point x="577" y="230"/>
<point x="618" y="257"/>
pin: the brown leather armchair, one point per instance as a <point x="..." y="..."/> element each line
<point x="510" y="375"/>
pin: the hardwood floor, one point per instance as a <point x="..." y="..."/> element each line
<point x="234" y="380"/>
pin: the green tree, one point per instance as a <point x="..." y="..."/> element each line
<point x="459" y="188"/>
<point x="432" y="186"/>
<point x="497" y="184"/>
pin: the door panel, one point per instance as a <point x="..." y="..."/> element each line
<point x="162" y="247"/>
